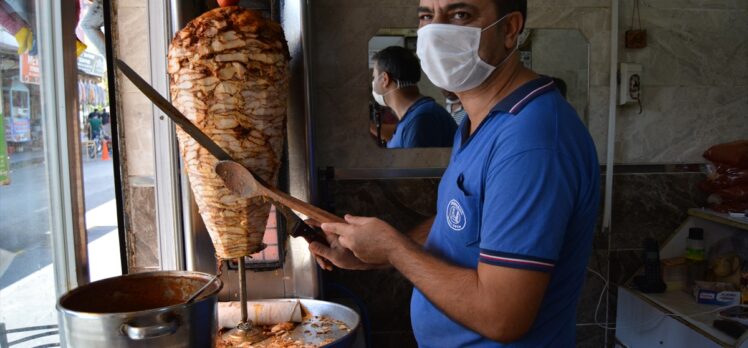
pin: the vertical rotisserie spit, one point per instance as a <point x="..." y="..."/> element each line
<point x="228" y="72"/>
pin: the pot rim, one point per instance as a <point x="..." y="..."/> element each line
<point x="148" y="312"/>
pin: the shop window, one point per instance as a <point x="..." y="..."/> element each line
<point x="273" y="255"/>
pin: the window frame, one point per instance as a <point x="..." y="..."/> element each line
<point x="56" y="26"/>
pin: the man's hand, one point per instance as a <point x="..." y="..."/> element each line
<point x="371" y="240"/>
<point x="335" y="255"/>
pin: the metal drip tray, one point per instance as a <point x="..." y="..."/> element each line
<point x="324" y="324"/>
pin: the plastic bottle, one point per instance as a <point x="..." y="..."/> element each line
<point x="696" y="262"/>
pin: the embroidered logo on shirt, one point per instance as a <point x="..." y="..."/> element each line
<point x="455" y="216"/>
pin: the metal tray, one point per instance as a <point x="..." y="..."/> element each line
<point x="306" y="331"/>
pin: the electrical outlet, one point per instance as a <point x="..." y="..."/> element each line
<point x="629" y="83"/>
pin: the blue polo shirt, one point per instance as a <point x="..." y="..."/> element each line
<point x="521" y="192"/>
<point x="425" y="124"/>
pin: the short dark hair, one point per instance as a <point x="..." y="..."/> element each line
<point x="400" y="63"/>
<point x="507" y="6"/>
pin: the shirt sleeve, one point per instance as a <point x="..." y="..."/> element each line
<point x="528" y="202"/>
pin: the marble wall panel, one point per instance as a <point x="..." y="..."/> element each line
<point x="694" y="80"/>
<point x="652" y="206"/>
<point x="136" y="125"/>
<point x="130" y="35"/>
<point x="142" y="236"/>
<point x="680" y="122"/>
<point x="136" y="117"/>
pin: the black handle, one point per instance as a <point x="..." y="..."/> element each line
<point x="310" y="234"/>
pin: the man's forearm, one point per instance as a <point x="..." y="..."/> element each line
<point x="455" y="290"/>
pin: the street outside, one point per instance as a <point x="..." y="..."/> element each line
<point x="27" y="295"/>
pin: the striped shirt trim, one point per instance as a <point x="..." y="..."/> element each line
<point x="517" y="100"/>
<point x="516" y="261"/>
<point x="530" y="96"/>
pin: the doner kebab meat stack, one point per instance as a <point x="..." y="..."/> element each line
<point x="228" y="71"/>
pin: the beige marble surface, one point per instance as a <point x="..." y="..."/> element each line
<point x="694" y="80"/>
<point x="136" y="112"/>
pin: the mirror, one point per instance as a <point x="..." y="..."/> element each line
<point x="563" y="54"/>
<point x="559" y="53"/>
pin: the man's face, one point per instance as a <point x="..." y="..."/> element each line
<point x="378" y="83"/>
<point x="471" y="13"/>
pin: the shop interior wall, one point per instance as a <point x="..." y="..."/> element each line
<point x="694" y="95"/>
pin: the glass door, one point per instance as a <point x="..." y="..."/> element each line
<point x="43" y="240"/>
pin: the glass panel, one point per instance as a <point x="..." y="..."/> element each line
<point x="28" y="317"/>
<point x="96" y="137"/>
<point x="27" y="286"/>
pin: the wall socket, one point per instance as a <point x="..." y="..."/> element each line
<point x="629" y="83"/>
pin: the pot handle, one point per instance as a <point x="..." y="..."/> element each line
<point x="141" y="333"/>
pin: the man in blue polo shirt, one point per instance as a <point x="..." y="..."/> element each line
<point x="421" y="121"/>
<point x="504" y="260"/>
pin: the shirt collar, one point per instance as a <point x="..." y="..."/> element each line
<point x="511" y="104"/>
<point x="515" y="102"/>
<point x="416" y="104"/>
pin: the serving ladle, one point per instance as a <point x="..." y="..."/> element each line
<point x="242" y="182"/>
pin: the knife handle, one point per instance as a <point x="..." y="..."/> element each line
<point x="311" y="234"/>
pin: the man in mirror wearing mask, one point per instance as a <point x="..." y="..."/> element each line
<point x="503" y="262"/>
<point x="453" y="105"/>
<point x="421" y="121"/>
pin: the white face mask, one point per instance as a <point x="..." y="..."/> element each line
<point x="449" y="56"/>
<point x="378" y="97"/>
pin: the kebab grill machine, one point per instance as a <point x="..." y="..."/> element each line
<point x="238" y="74"/>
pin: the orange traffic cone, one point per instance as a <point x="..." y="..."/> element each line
<point x="105" y="151"/>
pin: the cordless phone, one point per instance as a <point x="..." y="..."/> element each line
<point x="651" y="281"/>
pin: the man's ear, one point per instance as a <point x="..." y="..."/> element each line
<point x="386" y="80"/>
<point x="514" y="25"/>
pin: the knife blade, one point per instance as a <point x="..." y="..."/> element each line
<point x="298" y="228"/>
<point x="173" y="113"/>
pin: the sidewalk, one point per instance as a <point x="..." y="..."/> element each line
<point x="31" y="301"/>
<point x="26" y="158"/>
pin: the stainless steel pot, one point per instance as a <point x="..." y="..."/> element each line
<point x="141" y="310"/>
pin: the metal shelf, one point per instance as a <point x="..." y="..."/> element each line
<point x="720" y="218"/>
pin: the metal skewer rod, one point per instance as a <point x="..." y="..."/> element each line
<point x="243" y="289"/>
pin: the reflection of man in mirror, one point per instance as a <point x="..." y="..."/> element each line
<point x="421" y="121"/>
<point x="504" y="260"/>
<point x="454" y="106"/>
